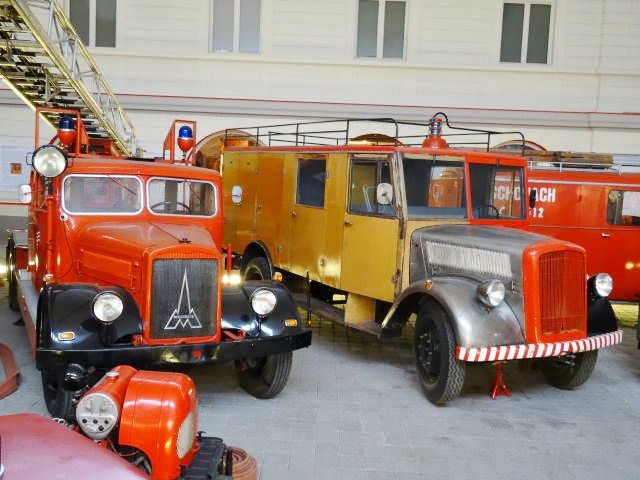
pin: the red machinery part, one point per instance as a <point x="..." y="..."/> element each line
<point x="159" y="417"/>
<point x="11" y="371"/>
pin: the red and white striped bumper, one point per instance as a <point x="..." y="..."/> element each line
<point x="537" y="350"/>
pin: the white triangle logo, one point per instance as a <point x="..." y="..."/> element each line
<point x="178" y="319"/>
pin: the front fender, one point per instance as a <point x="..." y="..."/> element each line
<point x="237" y="313"/>
<point x="68" y="308"/>
<point x="474" y="324"/>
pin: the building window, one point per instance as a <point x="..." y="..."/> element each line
<point x="95" y="21"/>
<point x="381" y="26"/>
<point x="236" y="26"/>
<point x="312" y="174"/>
<point x="525" y="32"/>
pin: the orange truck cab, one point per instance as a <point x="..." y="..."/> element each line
<point x="122" y="262"/>
<point x="598" y="208"/>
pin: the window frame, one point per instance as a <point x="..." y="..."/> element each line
<point x="525" y="31"/>
<point x="380" y="32"/>
<point x="360" y="159"/>
<point x="618" y="215"/>
<point x="236" y="29"/>
<point x="92" y="23"/>
<point x="102" y="175"/>
<point x="181" y="215"/>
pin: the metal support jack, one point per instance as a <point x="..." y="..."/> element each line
<point x="499" y="387"/>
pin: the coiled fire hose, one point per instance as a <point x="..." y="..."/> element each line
<point x="11" y="371"/>
<point x="245" y="466"/>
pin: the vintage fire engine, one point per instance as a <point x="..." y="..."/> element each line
<point x="390" y="229"/>
<point x="137" y="424"/>
<point x="122" y="263"/>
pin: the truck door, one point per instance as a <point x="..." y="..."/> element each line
<point x="370" y="232"/>
<point x="306" y="216"/>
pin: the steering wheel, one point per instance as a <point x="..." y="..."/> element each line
<point x="186" y="207"/>
<point x="486" y="207"/>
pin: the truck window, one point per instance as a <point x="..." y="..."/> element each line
<point x="434" y="186"/>
<point x="623" y="207"/>
<point x="365" y="177"/>
<point x="311" y="179"/>
<point x="169" y="196"/>
<point x="496" y="191"/>
<point x="112" y="194"/>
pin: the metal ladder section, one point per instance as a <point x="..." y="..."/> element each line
<point x="45" y="63"/>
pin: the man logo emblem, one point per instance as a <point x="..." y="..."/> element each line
<point x="179" y="319"/>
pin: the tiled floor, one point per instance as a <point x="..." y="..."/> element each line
<point x="353" y="410"/>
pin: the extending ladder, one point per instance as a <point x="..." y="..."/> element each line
<point x="45" y="63"/>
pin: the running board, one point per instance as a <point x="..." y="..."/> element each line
<point x="329" y="312"/>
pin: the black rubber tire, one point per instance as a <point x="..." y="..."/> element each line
<point x="264" y="377"/>
<point x="11" y="279"/>
<point x="257" y="269"/>
<point x="441" y="374"/>
<point x="58" y="400"/>
<point x="570" y="371"/>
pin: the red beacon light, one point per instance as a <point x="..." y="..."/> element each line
<point x="66" y="130"/>
<point x="185" y="139"/>
<point x="435" y="140"/>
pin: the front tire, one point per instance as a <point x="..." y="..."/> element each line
<point x="59" y="401"/>
<point x="569" y="371"/>
<point x="264" y="377"/>
<point x="441" y="374"/>
<point x="257" y="269"/>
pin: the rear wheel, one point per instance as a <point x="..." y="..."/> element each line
<point x="441" y="373"/>
<point x="59" y="401"/>
<point x="569" y="371"/>
<point x="264" y="377"/>
<point x="257" y="269"/>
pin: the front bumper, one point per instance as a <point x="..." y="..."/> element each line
<point x="187" y="354"/>
<point x="538" y="350"/>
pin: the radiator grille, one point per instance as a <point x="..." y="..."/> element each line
<point x="184" y="298"/>
<point x="562" y="292"/>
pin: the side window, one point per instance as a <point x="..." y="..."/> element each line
<point x="623" y="207"/>
<point x="525" y="32"/>
<point x="365" y="177"/>
<point x="312" y="174"/>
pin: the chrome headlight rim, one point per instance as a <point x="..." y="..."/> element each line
<point x="491" y="293"/>
<point x="263" y="301"/>
<point x="603" y="284"/>
<point x="42" y="166"/>
<point x="107" y="297"/>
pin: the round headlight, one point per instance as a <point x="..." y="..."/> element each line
<point x="491" y="293"/>
<point x="603" y="284"/>
<point x="186" y="435"/>
<point x="97" y="414"/>
<point x="263" y="301"/>
<point x="107" y="307"/>
<point x="49" y="161"/>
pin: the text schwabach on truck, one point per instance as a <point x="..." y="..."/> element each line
<point x="391" y="224"/>
<point x="122" y="263"/>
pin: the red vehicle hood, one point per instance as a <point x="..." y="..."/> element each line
<point x="35" y="447"/>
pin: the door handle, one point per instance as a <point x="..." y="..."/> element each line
<point x="347" y="223"/>
<point x="605" y="235"/>
<point x="293" y="214"/>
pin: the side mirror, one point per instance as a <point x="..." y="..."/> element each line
<point x="533" y="195"/>
<point x="236" y="194"/>
<point x="384" y="194"/>
<point x="24" y="193"/>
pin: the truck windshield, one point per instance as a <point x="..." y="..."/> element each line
<point x="168" y="196"/>
<point x="110" y="194"/>
<point x="434" y="186"/>
<point x="496" y="191"/>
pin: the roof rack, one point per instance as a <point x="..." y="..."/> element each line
<point x="387" y="131"/>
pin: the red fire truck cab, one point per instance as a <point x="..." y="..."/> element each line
<point x="122" y="263"/>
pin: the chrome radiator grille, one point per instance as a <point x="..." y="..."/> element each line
<point x="184" y="298"/>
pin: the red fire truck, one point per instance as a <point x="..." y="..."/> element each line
<point x="122" y="262"/>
